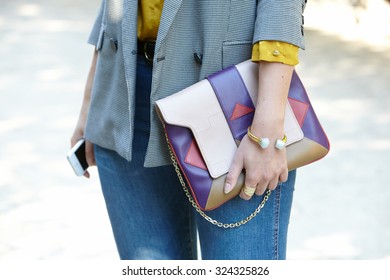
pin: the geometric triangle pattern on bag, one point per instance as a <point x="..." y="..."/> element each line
<point x="194" y="158"/>
<point x="239" y="111"/>
<point x="300" y="110"/>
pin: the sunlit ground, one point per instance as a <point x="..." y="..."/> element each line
<point x="341" y="208"/>
<point x="369" y="25"/>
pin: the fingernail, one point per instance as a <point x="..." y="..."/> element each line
<point x="227" y="188"/>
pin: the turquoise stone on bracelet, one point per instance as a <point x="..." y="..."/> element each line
<point x="264" y="143"/>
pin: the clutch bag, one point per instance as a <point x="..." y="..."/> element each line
<point x="205" y="123"/>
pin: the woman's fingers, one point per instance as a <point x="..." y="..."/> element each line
<point x="234" y="172"/>
<point x="247" y="192"/>
<point x="264" y="169"/>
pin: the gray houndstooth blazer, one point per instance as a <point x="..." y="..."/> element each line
<point x="222" y="31"/>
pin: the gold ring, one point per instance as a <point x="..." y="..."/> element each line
<point x="249" y="191"/>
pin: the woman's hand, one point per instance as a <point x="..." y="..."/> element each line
<point x="89" y="153"/>
<point x="80" y="126"/>
<point x="264" y="168"/>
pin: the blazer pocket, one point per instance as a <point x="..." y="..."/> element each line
<point x="234" y="52"/>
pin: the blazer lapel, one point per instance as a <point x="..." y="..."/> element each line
<point x="170" y="9"/>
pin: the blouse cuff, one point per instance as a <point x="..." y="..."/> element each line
<point x="275" y="51"/>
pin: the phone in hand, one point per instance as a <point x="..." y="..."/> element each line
<point x="77" y="158"/>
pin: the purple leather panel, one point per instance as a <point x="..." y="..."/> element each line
<point x="311" y="126"/>
<point x="199" y="179"/>
<point x="231" y="90"/>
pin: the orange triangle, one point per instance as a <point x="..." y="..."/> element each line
<point x="239" y="111"/>
<point x="300" y="110"/>
<point x="194" y="157"/>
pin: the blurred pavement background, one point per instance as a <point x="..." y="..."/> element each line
<point x="342" y="203"/>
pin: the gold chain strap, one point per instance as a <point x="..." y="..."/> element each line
<point x="203" y="214"/>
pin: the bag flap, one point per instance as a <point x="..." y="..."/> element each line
<point x="197" y="108"/>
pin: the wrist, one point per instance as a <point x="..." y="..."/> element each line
<point x="264" y="142"/>
<point x="272" y="130"/>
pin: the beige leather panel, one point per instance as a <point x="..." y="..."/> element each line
<point x="304" y="152"/>
<point x="218" y="197"/>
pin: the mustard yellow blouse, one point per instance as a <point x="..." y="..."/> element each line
<point x="149" y="14"/>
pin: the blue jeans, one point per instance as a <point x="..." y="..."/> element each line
<point x="152" y="219"/>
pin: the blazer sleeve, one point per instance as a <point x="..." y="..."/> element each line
<point x="280" y="20"/>
<point x="97" y="28"/>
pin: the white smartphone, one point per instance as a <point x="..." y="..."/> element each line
<point x="77" y="159"/>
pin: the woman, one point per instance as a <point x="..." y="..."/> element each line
<point x="147" y="50"/>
